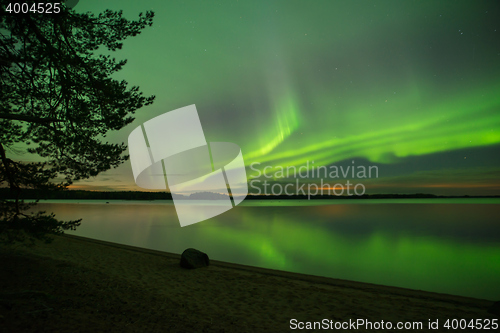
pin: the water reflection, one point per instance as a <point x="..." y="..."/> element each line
<point x="448" y="248"/>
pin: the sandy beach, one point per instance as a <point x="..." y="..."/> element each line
<point x="81" y="285"/>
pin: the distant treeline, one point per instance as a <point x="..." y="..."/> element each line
<point x="340" y="197"/>
<point x="80" y="194"/>
<point x="365" y="196"/>
<point x="136" y="195"/>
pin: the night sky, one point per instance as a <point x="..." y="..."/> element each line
<point x="411" y="87"/>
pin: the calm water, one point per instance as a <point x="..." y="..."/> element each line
<point x="442" y="245"/>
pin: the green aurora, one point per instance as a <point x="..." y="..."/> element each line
<point x="410" y="87"/>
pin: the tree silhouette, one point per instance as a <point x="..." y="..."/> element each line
<point x="58" y="100"/>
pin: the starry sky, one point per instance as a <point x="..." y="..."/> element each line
<point x="410" y="87"/>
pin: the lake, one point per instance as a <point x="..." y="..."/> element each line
<point x="443" y="245"/>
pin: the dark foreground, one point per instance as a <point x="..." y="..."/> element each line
<point x="80" y="285"/>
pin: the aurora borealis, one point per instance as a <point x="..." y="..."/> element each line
<point x="410" y="87"/>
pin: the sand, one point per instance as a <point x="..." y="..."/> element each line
<point x="80" y="285"/>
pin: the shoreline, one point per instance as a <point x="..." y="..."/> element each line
<point x="300" y="276"/>
<point x="290" y="201"/>
<point x="82" y="284"/>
